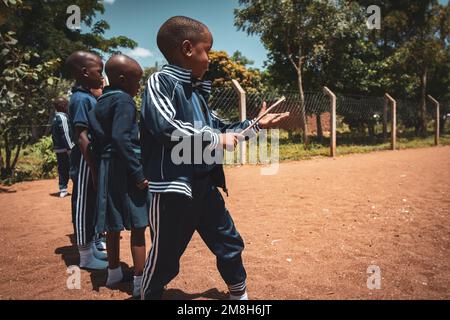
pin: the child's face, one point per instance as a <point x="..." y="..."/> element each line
<point x="199" y="60"/>
<point x="97" y="92"/>
<point x="92" y="74"/>
<point x="133" y="82"/>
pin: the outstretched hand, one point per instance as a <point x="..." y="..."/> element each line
<point x="271" y="120"/>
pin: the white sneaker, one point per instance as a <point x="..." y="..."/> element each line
<point x="89" y="261"/>
<point x="115" y="276"/>
<point x="241" y="297"/>
<point x="101" y="245"/>
<point x="102" y="255"/>
<point x="63" y="193"/>
<point x="137" y="283"/>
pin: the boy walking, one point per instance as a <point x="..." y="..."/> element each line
<point x="185" y="194"/>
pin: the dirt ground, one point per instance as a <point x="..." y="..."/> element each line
<point x="311" y="231"/>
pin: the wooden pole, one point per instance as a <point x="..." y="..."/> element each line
<point x="393" y="121"/>
<point x="385" y="115"/>
<point x="242" y="116"/>
<point x="436" y="119"/>
<point x="332" y="96"/>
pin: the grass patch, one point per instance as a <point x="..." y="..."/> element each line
<point x="289" y="151"/>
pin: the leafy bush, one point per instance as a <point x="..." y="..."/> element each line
<point x="43" y="149"/>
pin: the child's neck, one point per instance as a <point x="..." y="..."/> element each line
<point x="181" y="64"/>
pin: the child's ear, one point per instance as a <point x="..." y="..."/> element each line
<point x="186" y="48"/>
<point x="84" y="72"/>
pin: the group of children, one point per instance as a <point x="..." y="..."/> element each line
<point x="123" y="173"/>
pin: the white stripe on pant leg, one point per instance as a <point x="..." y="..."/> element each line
<point x="237" y="287"/>
<point x="154" y="251"/>
<point x="150" y="255"/>
<point x="86" y="184"/>
<point x="79" y="195"/>
<point x="240" y="284"/>
<point x="82" y="202"/>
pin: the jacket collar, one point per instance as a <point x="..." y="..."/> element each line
<point x="185" y="76"/>
<point x="77" y="87"/>
<point x="108" y="91"/>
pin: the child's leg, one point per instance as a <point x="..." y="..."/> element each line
<point x="115" y="274"/>
<point x="172" y="223"/>
<point x="84" y="218"/>
<point x="113" y="249"/>
<point x="137" y="244"/>
<point x="138" y="250"/>
<point x="217" y="229"/>
<point x="63" y="170"/>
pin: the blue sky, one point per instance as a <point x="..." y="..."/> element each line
<point x="141" y="19"/>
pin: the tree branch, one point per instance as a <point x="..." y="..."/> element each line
<point x="288" y="49"/>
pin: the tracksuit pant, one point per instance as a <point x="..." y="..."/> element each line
<point x="173" y="220"/>
<point x="83" y="205"/>
<point x="63" y="170"/>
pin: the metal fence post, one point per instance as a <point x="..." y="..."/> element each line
<point x="394" y="121"/>
<point x="332" y="96"/>
<point x="242" y="116"/>
<point x="436" y="121"/>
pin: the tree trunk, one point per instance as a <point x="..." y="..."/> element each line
<point x="2" y="164"/>
<point x="371" y="128"/>
<point x="16" y="157"/>
<point x="319" y="128"/>
<point x="303" y="119"/>
<point x="423" y="103"/>
<point x="442" y="122"/>
<point x="7" y="155"/>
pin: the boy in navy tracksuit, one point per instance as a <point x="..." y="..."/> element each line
<point x="62" y="143"/>
<point x="122" y="197"/>
<point x="185" y="197"/>
<point x="86" y="68"/>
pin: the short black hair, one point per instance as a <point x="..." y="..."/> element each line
<point x="76" y="60"/>
<point x="177" y="29"/>
<point x="60" y="103"/>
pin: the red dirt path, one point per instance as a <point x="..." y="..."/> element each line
<point x="310" y="231"/>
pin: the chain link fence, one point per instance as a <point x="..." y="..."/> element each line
<point x="360" y="119"/>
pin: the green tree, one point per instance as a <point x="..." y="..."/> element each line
<point x="223" y="68"/>
<point x="21" y="98"/>
<point x="34" y="41"/>
<point x="40" y="25"/>
<point x="300" y="35"/>
<point x="413" y="51"/>
<point x="241" y="59"/>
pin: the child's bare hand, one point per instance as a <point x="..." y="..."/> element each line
<point x="229" y="140"/>
<point x="143" y="184"/>
<point x="272" y="119"/>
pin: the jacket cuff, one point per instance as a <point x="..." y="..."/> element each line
<point x="254" y="129"/>
<point x="214" y="138"/>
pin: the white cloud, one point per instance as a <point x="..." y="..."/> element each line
<point x="139" y="52"/>
<point x="109" y="1"/>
